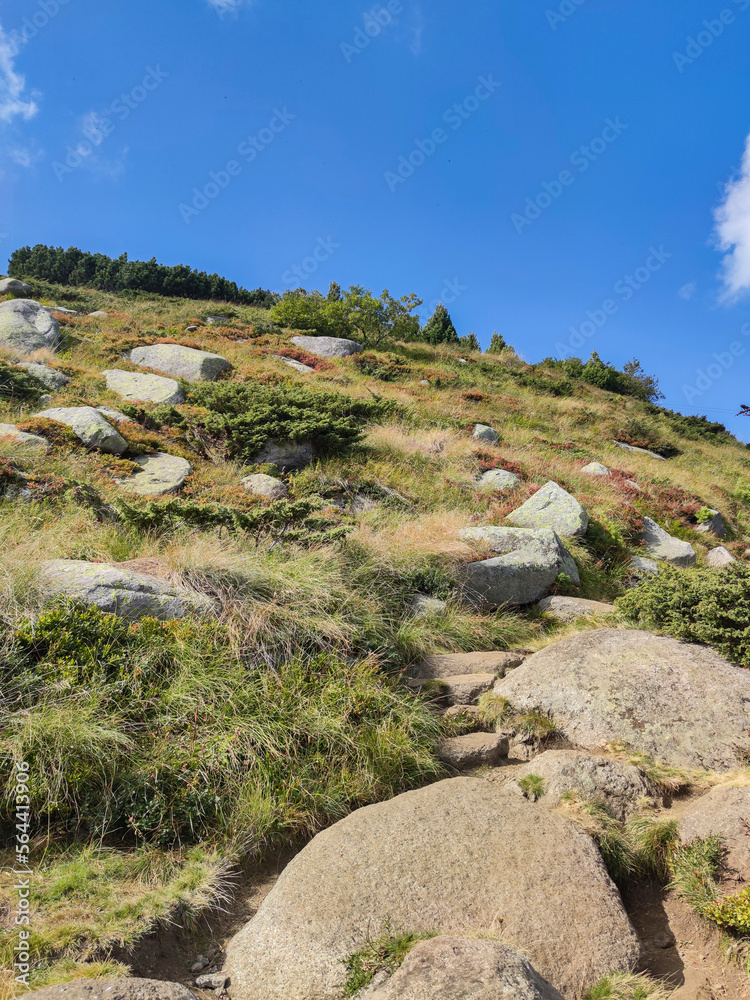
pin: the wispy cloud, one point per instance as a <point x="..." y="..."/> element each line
<point x="687" y="291"/>
<point x="224" y="7"/>
<point x="732" y="232"/>
<point x="15" y="102"/>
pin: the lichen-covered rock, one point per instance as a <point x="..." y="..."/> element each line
<point x="456" y="968"/>
<point x="9" y="434"/>
<point x="90" y="426"/>
<point x="139" y="387"/>
<point x="528" y="563"/>
<point x="487" y="434"/>
<point x="161" y="473"/>
<point x="464" y="856"/>
<point x="26" y="326"/>
<point x="554" y="508"/>
<point x="595" y="469"/>
<point x="328" y="347"/>
<point x="265" y="486"/>
<point x="181" y="362"/>
<point x="661" y="545"/>
<point x="50" y="377"/>
<point x="119" y="591"/>
<point x="498" y="480"/>
<point x="568" y="609"/>
<point x="683" y="705"/>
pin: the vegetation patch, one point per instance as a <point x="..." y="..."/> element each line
<point x="386" y="954"/>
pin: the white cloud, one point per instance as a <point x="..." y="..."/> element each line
<point x="732" y="231"/>
<point x="14" y="101"/>
<point x="224" y="7"/>
<point x="687" y="291"/>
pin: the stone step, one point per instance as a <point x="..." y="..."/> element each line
<point x="474" y="750"/>
<point x="463" y="689"/>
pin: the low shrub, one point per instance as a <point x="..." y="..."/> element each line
<point x="18" y="386"/>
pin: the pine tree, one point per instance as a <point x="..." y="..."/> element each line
<point x="334" y="292"/>
<point x="497" y="344"/>
<point x="469" y="342"/>
<point x="439" y="328"/>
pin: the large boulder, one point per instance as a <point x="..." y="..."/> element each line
<point x="160" y="473"/>
<point x="554" y="508"/>
<point x="139" y="387"/>
<point x="119" y="591"/>
<point x="527" y="564"/>
<point x="114" y="989"/>
<point x="51" y="377"/>
<point x="89" y="426"/>
<point x="681" y="704"/>
<point x="328" y="347"/>
<point x="181" y="362"/>
<point x="568" y="609"/>
<point x="10" y="434"/>
<point x="456" y="968"/>
<point x="12" y="286"/>
<point x="463" y="856"/>
<point x="615" y="784"/>
<point x="661" y="545"/>
<point x="26" y="326"/>
<point x="497" y="480"/>
<point x="725" y="812"/>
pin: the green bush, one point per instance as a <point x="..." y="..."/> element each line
<point x="696" y="606"/>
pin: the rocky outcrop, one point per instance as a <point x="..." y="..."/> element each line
<point x="661" y="545"/>
<point x="265" y="486"/>
<point x="119" y="591"/>
<point x="554" y="508"/>
<point x="50" y="377"/>
<point x="725" y="812"/>
<point x="137" y="387"/>
<point x="89" y="426"/>
<point x="10" y="434"/>
<point x="181" y="362"/>
<point x="455" y="968"/>
<point x="615" y="784"/>
<point x="527" y="564"/>
<point x="161" y="473"/>
<point x="114" y="989"/>
<point x="25" y="326"/>
<point x="463" y="856"/>
<point x="568" y="609"/>
<point x="328" y="347"/>
<point x="681" y="704"/>
<point x="487" y="434"/>
<point x="497" y="480"/>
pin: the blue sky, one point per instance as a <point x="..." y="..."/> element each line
<point x="570" y="174"/>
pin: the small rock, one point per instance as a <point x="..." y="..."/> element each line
<point x="213" y="320"/>
<point x="470" y="713"/>
<point x="15" y="287"/>
<point x="423" y="606"/>
<point x="463" y="689"/>
<point x="328" y="347"/>
<point x="50" y="377"/>
<point x="719" y="557"/>
<point x="199" y="965"/>
<point x="181" y="362"/>
<point x="497" y="480"/>
<point x="26" y="326"/>
<point x="661" y="545"/>
<point x="9" y="433"/>
<point x="423" y="381"/>
<point x="45" y="399"/>
<point x="63" y="310"/>
<point x="484" y="433"/>
<point x="595" y="469"/>
<point x="642" y="451"/>
<point x="99" y="314"/>
<point x="137" y="387"/>
<point x="554" y="508"/>
<point x="265" y="486"/>
<point x="286" y="455"/>
<point x="161" y="474"/>
<point x="212" y="981"/>
<point x="569" y="609"/>
<point x="635" y="486"/>
<point x="190" y="329"/>
<point x="715" y="525"/>
<point x="296" y="365"/>
<point x="643" y="567"/>
<point x="473" y="750"/>
<point x="89" y="426"/>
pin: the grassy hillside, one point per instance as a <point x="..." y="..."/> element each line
<point x="162" y="754"/>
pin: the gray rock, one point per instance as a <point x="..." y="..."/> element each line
<point x="45" y="399"/>
<point x="643" y="567"/>
<point x="681" y="704"/>
<point x="453" y="664"/>
<point x="554" y="508"/>
<point x="216" y="320"/>
<point x="148" y="388"/>
<point x="719" y="557"/>
<point x="473" y="750"/>
<point x="725" y="812"/>
<point x="99" y="314"/>
<point x="286" y="455"/>
<point x="212" y="981"/>
<point x="25" y="326"/>
<point x="463" y="689"/>
<point x="296" y="365"/>
<point x="63" y="310"/>
<point x="568" y="609"/>
<point x="111" y="414"/>
<point x="715" y="525"/>
<point x="191" y="329"/>
<point x="424" y="381"/>
<point x="661" y="545"/>
<point x="119" y="591"/>
<point x="595" y="469"/>
<point x="618" y="786"/>
<point x="113" y="989"/>
<point x="20" y="439"/>
<point x="498" y="480"/>
<point x="265" y="486"/>
<point x="88" y="425"/>
<point x="15" y="287"/>
<point x="423" y="606"/>
<point x="181" y="362"/>
<point x="328" y="347"/>
<point x="484" y="433"/>
<point x="161" y="474"/>
<point x="640" y="451"/>
<point x="528" y="564"/>
<point x="50" y="377"/>
<point x="455" y="968"/>
<point x="461" y="855"/>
